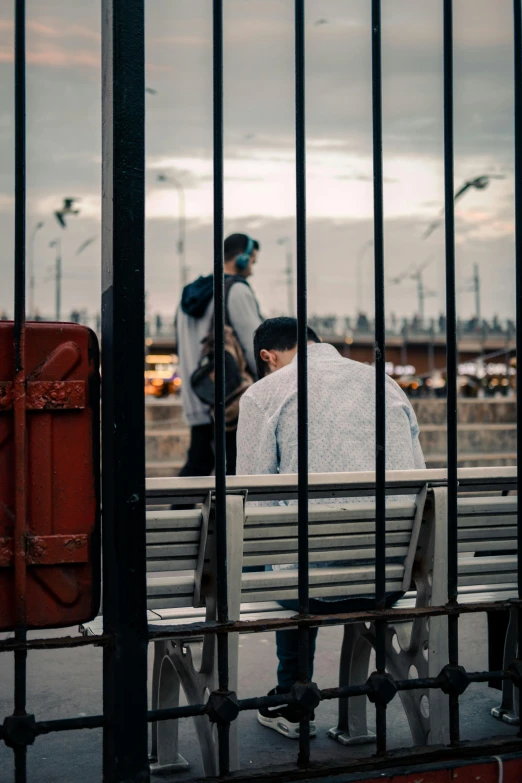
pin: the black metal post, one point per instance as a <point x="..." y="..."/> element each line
<point x="302" y="367"/>
<point x="517" y="20"/>
<point x="380" y="366"/>
<point x="219" y="338"/>
<point x="451" y="357"/>
<point x="20" y="656"/>
<point x="123" y="413"/>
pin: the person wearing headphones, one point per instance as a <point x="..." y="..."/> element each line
<point x="194" y="321"/>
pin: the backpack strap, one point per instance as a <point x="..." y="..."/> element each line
<point x="230" y="280"/>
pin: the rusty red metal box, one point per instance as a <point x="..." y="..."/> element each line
<point x="62" y="470"/>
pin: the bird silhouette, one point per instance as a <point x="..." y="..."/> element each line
<point x="67" y="209"/>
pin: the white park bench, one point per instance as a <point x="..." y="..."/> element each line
<point x="181" y="587"/>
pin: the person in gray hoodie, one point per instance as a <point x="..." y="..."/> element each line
<point x="193" y="322"/>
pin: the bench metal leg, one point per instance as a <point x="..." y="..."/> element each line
<point x="197" y="685"/>
<point x="352" y="728"/>
<point x="156" y="673"/>
<point x="165" y="733"/>
<point x="509" y="709"/>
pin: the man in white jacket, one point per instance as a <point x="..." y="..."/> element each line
<point x="341" y="438"/>
<point x="193" y="322"/>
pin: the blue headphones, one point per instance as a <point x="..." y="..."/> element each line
<point x="244" y="258"/>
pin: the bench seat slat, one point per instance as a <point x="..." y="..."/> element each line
<point x="323" y="556"/>
<point x="353" y="512"/>
<point x="487" y="533"/>
<point x="189" y="519"/>
<point x="489" y="520"/>
<point x="174" y="536"/>
<point x="325" y="591"/>
<point x="479" y="565"/>
<point x="252" y="546"/>
<point x="467" y="506"/>
<point x="173" y="565"/>
<point x="487" y="579"/>
<point x="502" y="544"/>
<point x="344" y="575"/>
<point x="169" y="602"/>
<point x="172" y="549"/>
<point x="324" y="529"/>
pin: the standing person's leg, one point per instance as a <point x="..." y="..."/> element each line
<point x="200" y="457"/>
<point x="231" y="450"/>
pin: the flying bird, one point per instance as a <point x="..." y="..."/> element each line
<point x="319" y="22"/>
<point x="479" y="183"/>
<point x="151" y="91"/>
<point x="67" y="209"/>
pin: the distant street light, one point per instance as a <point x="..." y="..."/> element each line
<point x="479" y="183"/>
<point x="172" y="180"/>
<point x="58" y="272"/>
<point x="289" y="273"/>
<point x="31" y="267"/>
<point x="85" y="245"/>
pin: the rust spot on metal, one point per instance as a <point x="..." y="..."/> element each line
<point x="45" y="395"/>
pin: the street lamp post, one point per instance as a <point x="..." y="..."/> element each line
<point x="57" y="244"/>
<point x="360" y="258"/>
<point x="289" y="273"/>
<point x="172" y="180"/>
<point x="31" y="267"/>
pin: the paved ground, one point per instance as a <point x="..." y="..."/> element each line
<point x="68" y="683"/>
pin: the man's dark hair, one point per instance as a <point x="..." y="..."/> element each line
<point x="236" y="244"/>
<point x="277" y="334"/>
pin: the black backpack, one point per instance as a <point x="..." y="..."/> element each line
<point x="237" y="376"/>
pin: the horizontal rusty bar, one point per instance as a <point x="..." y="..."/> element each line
<point x="190" y="630"/>
<point x="46" y="395"/>
<point x="311" y="621"/>
<point x="48" y="550"/>
<point x="57" y="643"/>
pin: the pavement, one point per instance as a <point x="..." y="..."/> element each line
<point x="67" y="683"/>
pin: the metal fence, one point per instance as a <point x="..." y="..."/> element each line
<point x="125" y="639"/>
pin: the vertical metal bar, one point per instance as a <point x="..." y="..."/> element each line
<point x="451" y="354"/>
<point x="302" y="365"/>
<point x="123" y="411"/>
<point x="380" y="365"/>
<point x="517" y="21"/>
<point x="219" y="406"/>
<point x="20" y="432"/>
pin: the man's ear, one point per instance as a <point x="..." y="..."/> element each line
<point x="269" y="358"/>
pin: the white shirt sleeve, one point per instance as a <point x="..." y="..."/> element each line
<point x="256" y="440"/>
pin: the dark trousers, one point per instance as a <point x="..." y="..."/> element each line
<point x="287" y="642"/>
<point x="201" y="458"/>
<point x="287" y="646"/>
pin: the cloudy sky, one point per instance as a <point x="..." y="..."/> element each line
<point x="64" y="145"/>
